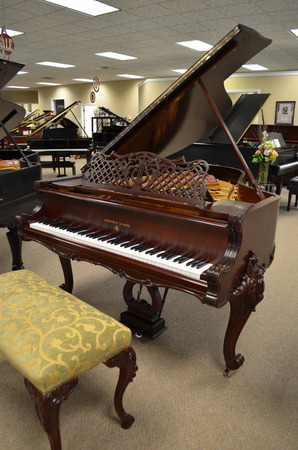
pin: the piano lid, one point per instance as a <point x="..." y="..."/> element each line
<point x="239" y="118"/>
<point x="182" y="114"/>
<point x="11" y="113"/>
<point x="8" y="69"/>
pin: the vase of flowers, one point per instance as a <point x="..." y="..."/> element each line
<point x="264" y="154"/>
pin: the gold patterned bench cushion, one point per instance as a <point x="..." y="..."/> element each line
<point x="50" y="336"/>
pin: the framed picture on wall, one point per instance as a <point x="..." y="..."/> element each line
<point x="284" y="113"/>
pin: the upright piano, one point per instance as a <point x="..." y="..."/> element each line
<point x="159" y="223"/>
<point x="17" y="193"/>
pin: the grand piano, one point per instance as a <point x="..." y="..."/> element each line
<point x="58" y="137"/>
<point x="159" y="223"/>
<point x="17" y="193"/>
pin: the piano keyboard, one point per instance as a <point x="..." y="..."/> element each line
<point x="120" y="245"/>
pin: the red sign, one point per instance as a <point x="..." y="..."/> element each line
<point x="6" y="44"/>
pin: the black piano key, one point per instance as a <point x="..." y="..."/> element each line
<point x="181" y="259"/>
<point x="128" y="244"/>
<point x="154" y="251"/>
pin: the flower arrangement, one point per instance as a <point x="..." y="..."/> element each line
<point x="266" y="151"/>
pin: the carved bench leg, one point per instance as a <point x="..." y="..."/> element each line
<point x="48" y="406"/>
<point x="126" y="361"/>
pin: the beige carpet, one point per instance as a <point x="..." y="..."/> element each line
<point x="179" y="397"/>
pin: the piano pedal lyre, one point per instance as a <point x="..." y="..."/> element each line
<point x="142" y="316"/>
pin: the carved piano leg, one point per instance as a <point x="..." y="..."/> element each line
<point x="141" y="317"/>
<point x="15" y="247"/>
<point x="68" y="276"/>
<point x="243" y="301"/>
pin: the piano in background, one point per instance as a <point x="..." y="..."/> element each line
<point x="60" y="142"/>
<point x="163" y="223"/>
<point x="216" y="149"/>
<point x="105" y="127"/>
<point x="286" y="164"/>
<point x="17" y="193"/>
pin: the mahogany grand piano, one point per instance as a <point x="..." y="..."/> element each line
<point x="159" y="223"/>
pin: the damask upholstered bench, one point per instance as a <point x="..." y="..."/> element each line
<point x="50" y="337"/>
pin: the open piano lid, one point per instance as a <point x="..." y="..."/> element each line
<point x="183" y="114"/>
<point x="11" y="114"/>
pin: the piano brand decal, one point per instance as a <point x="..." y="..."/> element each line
<point x="117" y="224"/>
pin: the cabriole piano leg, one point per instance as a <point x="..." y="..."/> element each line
<point x="243" y="301"/>
<point x="141" y="317"/>
<point x="67" y="272"/>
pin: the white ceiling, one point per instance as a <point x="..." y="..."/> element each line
<point x="146" y="29"/>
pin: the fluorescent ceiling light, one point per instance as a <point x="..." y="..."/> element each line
<point x="128" y="75"/>
<point x="18" y="87"/>
<point x="49" y="84"/>
<point x="179" y="70"/>
<point x="114" y="55"/>
<point x="54" y="64"/>
<point x="200" y="46"/>
<point x="91" y="7"/>
<point x="294" y="31"/>
<point x="87" y="80"/>
<point x="254" y="67"/>
<point x="13" y="33"/>
<point x="21" y="72"/>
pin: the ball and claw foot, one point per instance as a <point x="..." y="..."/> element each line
<point x="127" y="423"/>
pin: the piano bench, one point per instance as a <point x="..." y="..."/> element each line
<point x="293" y="189"/>
<point x="50" y="337"/>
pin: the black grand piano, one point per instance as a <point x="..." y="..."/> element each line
<point x="58" y="137"/>
<point x="216" y="149"/>
<point x="17" y="193"/>
<point x="106" y="126"/>
<point x="206" y="230"/>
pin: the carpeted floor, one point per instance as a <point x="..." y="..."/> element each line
<point x="179" y="397"/>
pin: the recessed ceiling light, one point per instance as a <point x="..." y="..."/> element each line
<point x="54" y="64"/>
<point x="254" y="67"/>
<point x="21" y="72"/>
<point x="114" y="55"/>
<point x="87" y="80"/>
<point x="18" y="87"/>
<point x="49" y="84"/>
<point x="128" y="75"/>
<point x="200" y="46"/>
<point x="294" y="31"/>
<point x="91" y="7"/>
<point x="179" y="70"/>
<point x="13" y="33"/>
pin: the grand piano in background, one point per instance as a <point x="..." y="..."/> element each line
<point x="216" y="148"/>
<point x="160" y="223"/>
<point x="106" y="126"/>
<point x="59" y="138"/>
<point x="17" y="193"/>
